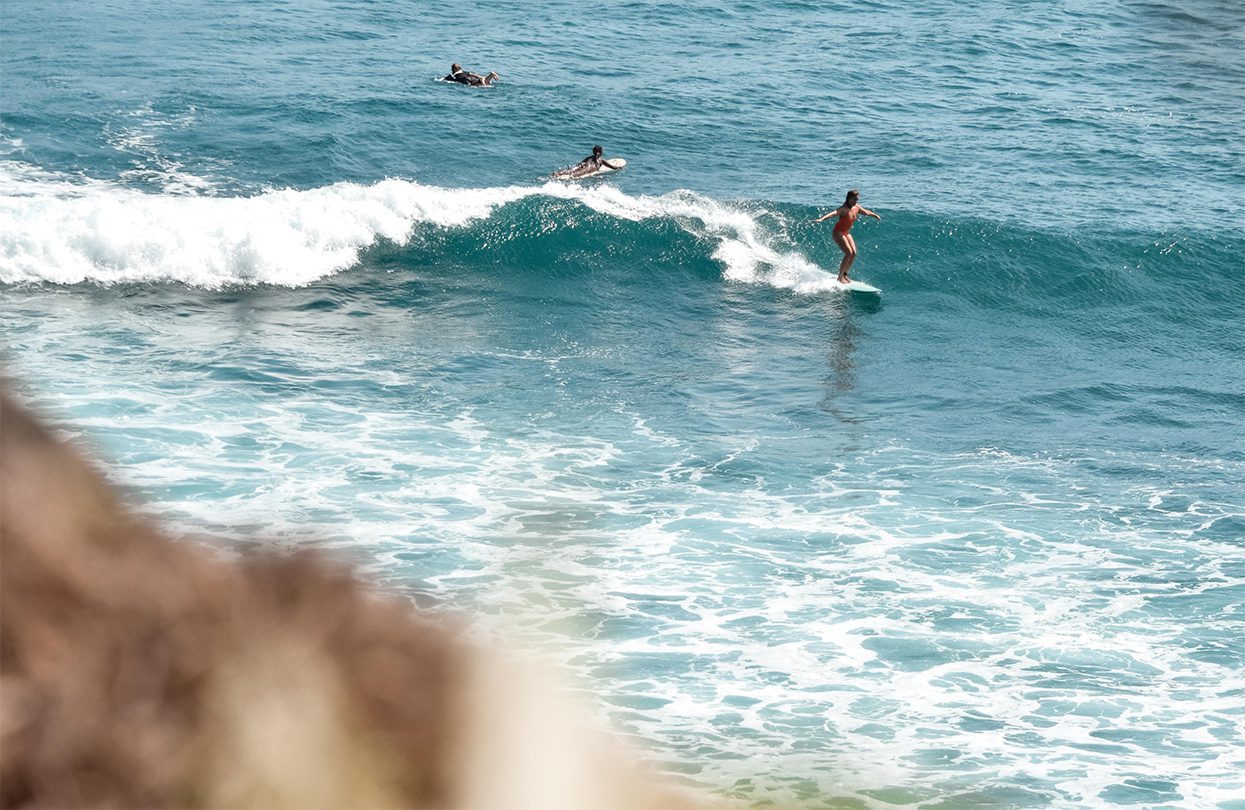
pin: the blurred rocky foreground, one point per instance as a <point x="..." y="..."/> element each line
<point x="136" y="671"/>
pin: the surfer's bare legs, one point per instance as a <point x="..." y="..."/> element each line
<point x="848" y="245"/>
<point x="844" y="266"/>
<point x="851" y="240"/>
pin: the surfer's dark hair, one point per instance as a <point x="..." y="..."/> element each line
<point x="596" y="150"/>
<point x="852" y="194"/>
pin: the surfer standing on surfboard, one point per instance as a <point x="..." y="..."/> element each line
<point x="847" y="213"/>
<point x="588" y="165"/>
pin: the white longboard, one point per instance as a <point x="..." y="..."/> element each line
<point x="857" y="286"/>
<point x="618" y="165"/>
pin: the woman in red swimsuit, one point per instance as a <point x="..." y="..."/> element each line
<point x="847" y="213"/>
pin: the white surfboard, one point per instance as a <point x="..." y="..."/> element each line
<point x="617" y="165"/>
<point x="857" y="286"/>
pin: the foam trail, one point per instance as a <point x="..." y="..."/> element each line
<point x="67" y="231"/>
<point x="140" y="137"/>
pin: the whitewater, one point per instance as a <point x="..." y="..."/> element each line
<point x="67" y="232"/>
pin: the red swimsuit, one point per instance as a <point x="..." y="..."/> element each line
<point x="844" y="223"/>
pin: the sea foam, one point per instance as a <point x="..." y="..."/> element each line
<point x="63" y="230"/>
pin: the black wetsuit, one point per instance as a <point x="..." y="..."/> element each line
<point x="468" y="78"/>
<point x="588" y="165"/>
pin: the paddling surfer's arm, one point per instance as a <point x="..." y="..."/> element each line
<point x="609" y="165"/>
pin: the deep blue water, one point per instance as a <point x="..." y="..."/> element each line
<point x="979" y="541"/>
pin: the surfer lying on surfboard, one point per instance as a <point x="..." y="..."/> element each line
<point x="847" y="213"/>
<point x="589" y="165"/>
<point x="457" y="74"/>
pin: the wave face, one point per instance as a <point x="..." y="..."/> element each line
<point x="976" y="542"/>
<point x="68" y="233"/>
<point x="57" y="230"/>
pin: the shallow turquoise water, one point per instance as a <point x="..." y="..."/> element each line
<point x="978" y="541"/>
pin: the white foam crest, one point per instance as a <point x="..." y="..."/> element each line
<point x="55" y="229"/>
<point x="744" y="247"/>
<point x="66" y="230"/>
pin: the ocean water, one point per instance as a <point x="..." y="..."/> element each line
<point x="977" y="542"/>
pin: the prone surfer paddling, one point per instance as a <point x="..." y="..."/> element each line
<point x="457" y="74"/>
<point x="588" y="165"/>
<point x="847" y="213"/>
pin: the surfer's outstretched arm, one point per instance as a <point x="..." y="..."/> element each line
<point x="827" y="216"/>
<point x="869" y="213"/>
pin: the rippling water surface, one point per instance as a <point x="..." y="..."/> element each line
<point x="977" y="542"/>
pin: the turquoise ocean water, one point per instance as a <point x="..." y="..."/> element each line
<point x="977" y="542"/>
